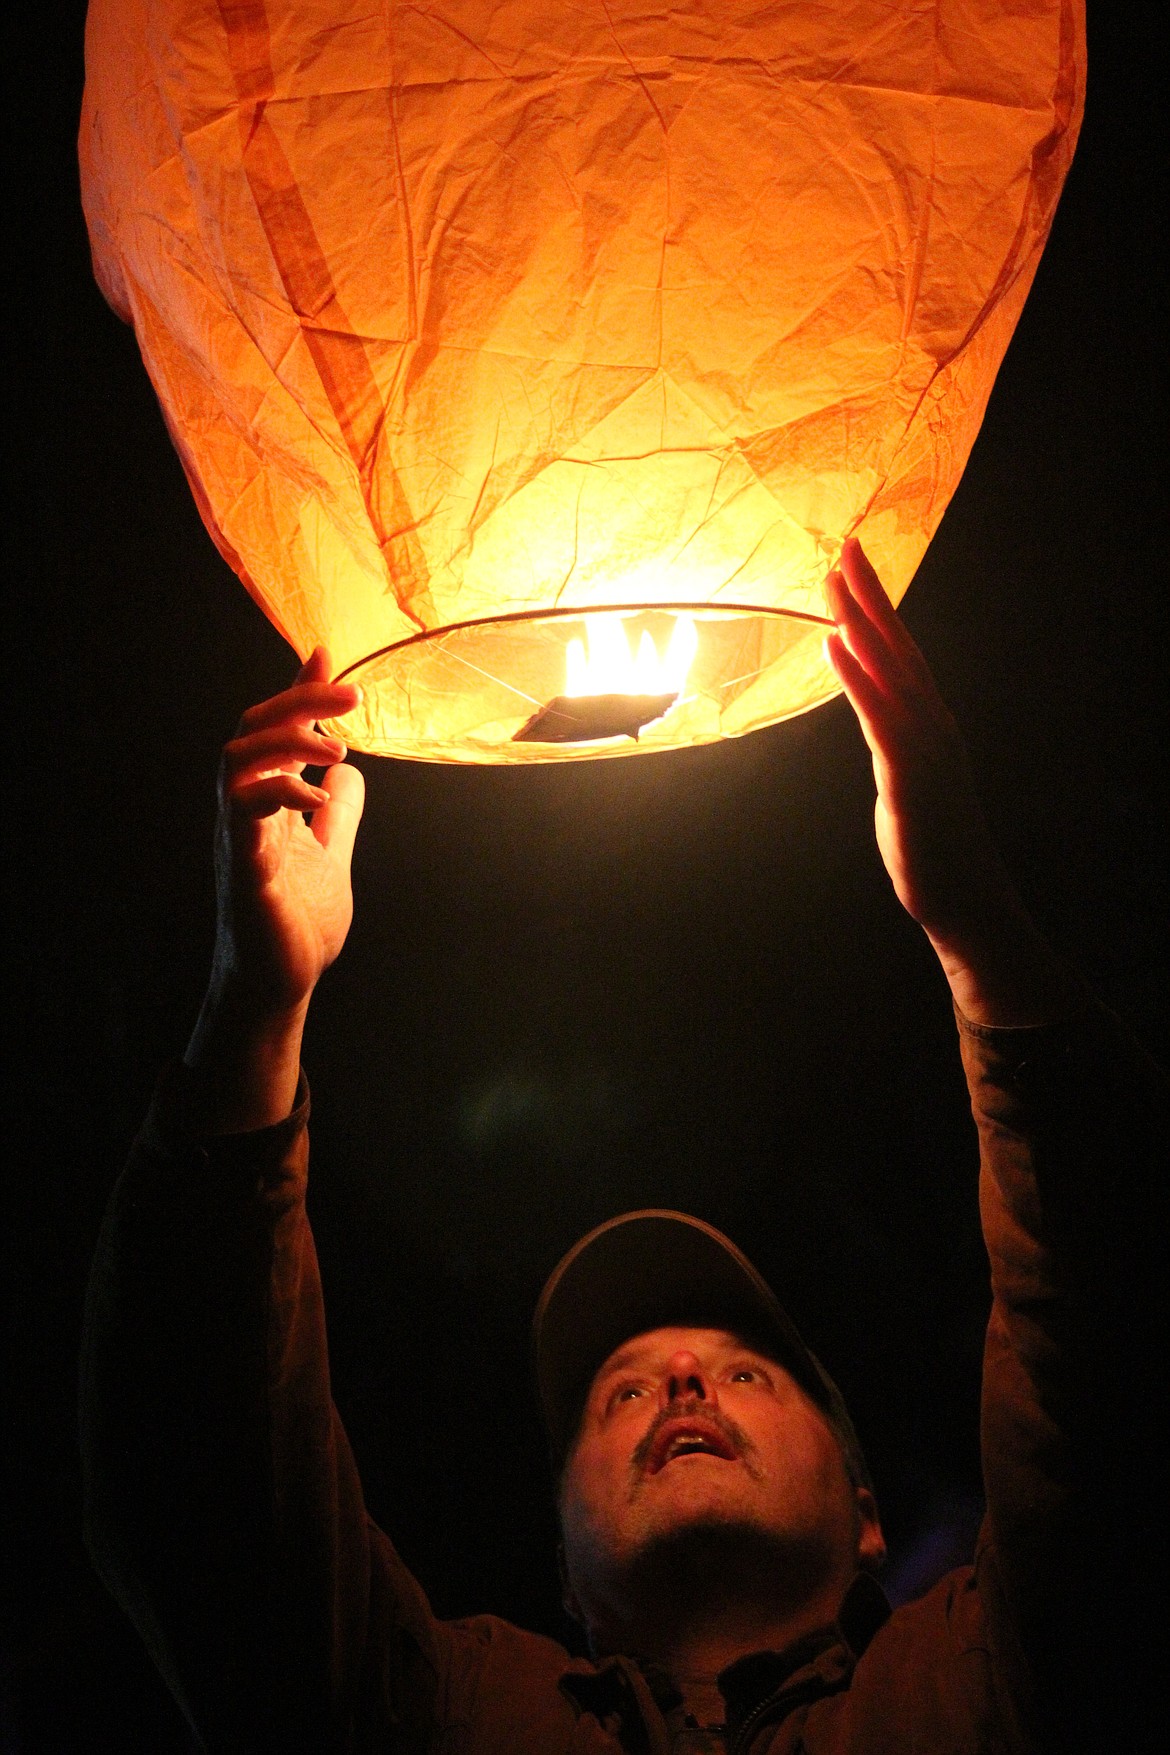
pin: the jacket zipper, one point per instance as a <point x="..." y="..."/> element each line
<point x="814" y="1689"/>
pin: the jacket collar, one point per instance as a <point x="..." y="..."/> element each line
<point x="631" y="1700"/>
<point x="764" y="1686"/>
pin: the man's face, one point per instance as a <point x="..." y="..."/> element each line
<point x="690" y="1429"/>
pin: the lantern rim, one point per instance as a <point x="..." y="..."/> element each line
<point x="578" y="613"/>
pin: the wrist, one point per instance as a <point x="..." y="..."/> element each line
<point x="1003" y="973"/>
<point x="245" y="1057"/>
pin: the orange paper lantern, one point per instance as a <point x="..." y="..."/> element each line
<point x="540" y="357"/>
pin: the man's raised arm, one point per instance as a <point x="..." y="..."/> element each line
<point x="1073" y="1144"/>
<point x="222" y="1504"/>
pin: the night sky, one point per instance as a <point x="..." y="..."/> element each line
<point x="569" y="991"/>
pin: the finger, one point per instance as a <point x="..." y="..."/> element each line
<point x="264" y="797"/>
<point x="869" y="595"/>
<point x="335" y="824"/>
<point x="303" y="703"/>
<point x="859" y="600"/>
<point x="286" y="745"/>
<point x="316" y="666"/>
<point x="866" y="642"/>
<point x="875" y="634"/>
<point x="863" y="694"/>
<point x="865" y="586"/>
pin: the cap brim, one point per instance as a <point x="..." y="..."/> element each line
<point x="656" y="1269"/>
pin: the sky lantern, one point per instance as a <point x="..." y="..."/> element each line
<point x="540" y="357"/>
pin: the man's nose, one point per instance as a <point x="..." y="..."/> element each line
<point x="685" y="1380"/>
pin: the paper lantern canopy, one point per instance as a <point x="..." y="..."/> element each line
<point x="540" y="357"/>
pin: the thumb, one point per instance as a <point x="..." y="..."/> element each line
<point x="335" y="823"/>
<point x="316" y="667"/>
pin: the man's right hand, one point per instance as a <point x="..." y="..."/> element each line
<point x="284" y="903"/>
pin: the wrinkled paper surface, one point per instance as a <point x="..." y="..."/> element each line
<point x="459" y="310"/>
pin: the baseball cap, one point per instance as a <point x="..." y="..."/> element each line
<point x="661" y="1269"/>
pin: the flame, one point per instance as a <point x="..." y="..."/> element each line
<point x="611" y="668"/>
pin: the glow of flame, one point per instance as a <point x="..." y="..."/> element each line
<point x="610" y="668"/>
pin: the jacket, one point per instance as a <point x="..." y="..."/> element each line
<point x="225" y="1512"/>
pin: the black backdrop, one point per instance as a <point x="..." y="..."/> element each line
<point x="678" y="981"/>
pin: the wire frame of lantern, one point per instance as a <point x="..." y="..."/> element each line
<point x="515" y="350"/>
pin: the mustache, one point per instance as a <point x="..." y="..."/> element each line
<point x="734" y="1434"/>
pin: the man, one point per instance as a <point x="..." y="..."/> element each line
<point x="719" y="1527"/>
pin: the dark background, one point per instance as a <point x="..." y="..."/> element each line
<point x="571" y="990"/>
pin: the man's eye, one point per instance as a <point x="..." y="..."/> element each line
<point x="747" y="1374"/>
<point x="627" y="1393"/>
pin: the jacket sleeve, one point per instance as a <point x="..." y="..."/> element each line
<point x="223" y="1507"/>
<point x="1072" y="1121"/>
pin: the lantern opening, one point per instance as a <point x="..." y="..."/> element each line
<point x="570" y="683"/>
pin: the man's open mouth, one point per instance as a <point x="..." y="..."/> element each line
<point x="688" y="1437"/>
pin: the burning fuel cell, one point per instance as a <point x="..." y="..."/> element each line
<point x="610" y="690"/>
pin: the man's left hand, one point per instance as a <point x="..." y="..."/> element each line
<point x="931" y="831"/>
